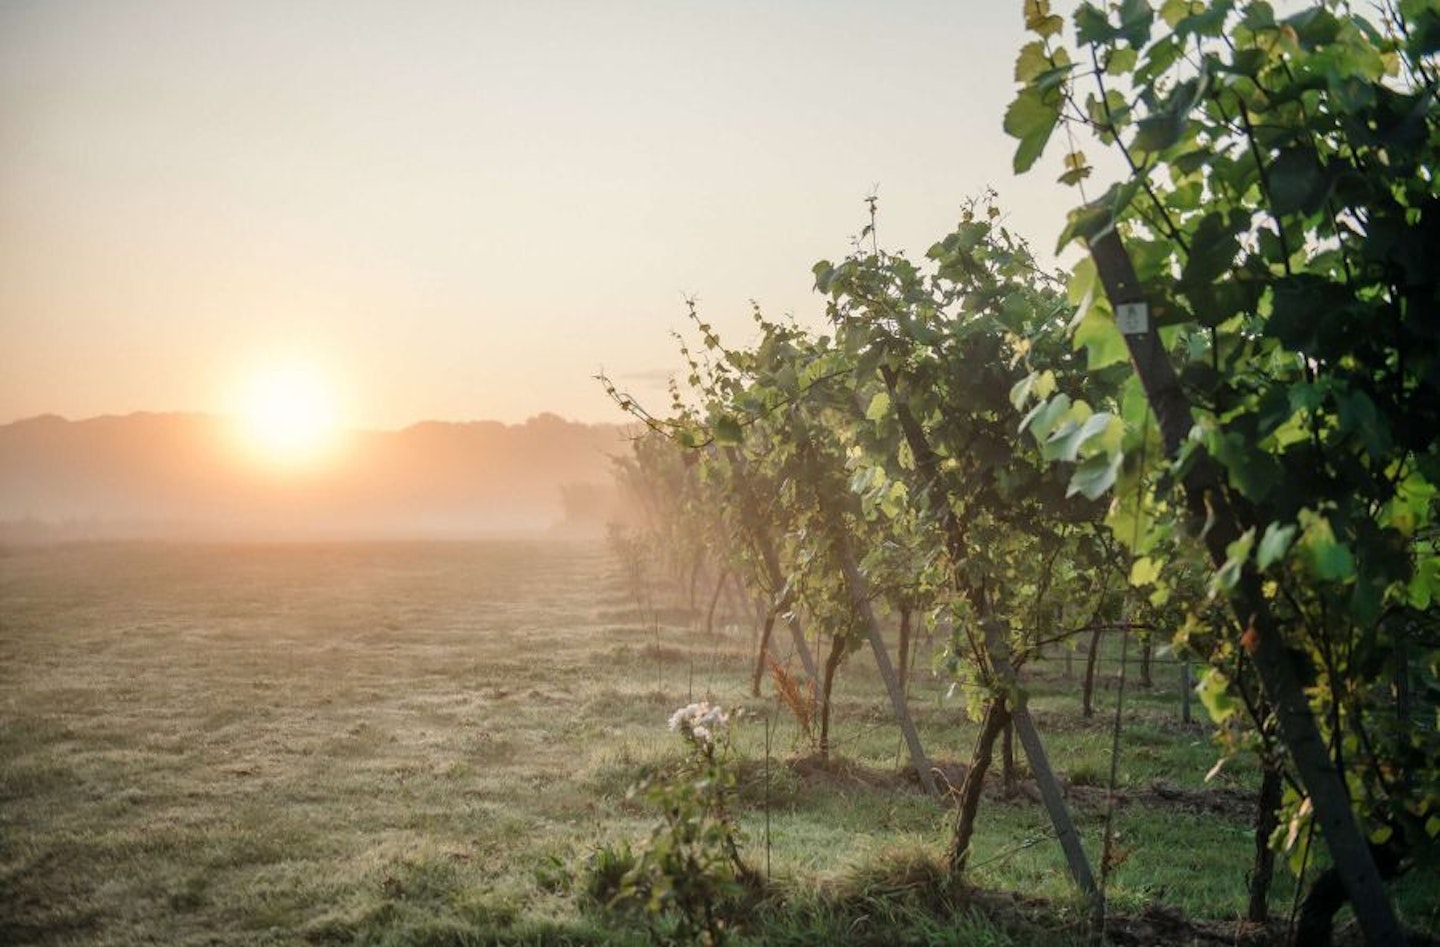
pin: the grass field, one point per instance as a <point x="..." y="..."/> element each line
<point x="424" y="743"/>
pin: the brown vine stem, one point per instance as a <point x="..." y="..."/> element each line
<point x="1142" y="174"/>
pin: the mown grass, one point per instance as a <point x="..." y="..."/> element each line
<point x="426" y="744"/>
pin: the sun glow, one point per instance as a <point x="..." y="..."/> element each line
<point x="287" y="416"/>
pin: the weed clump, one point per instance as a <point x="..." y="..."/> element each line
<point x="686" y="880"/>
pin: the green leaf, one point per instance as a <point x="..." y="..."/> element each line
<point x="1360" y="417"/>
<point x="1052" y="80"/>
<point x="1424" y="588"/>
<point x="1039" y="19"/>
<point x="1208" y="21"/>
<point x="824" y="276"/>
<point x="879" y="407"/>
<point x="1102" y="341"/>
<point x="1328" y="558"/>
<point x="1424" y="38"/>
<point x="1044" y="416"/>
<point x="1298" y="184"/>
<point x="727" y="430"/>
<point x="1144" y="571"/>
<point x="1314" y="27"/>
<point x="1173" y="11"/>
<point x="1041" y="385"/>
<point x="1031" y="62"/>
<point x="1166" y="127"/>
<point x="1092" y="26"/>
<point x="1254" y="471"/>
<point x="1274" y="544"/>
<point x="1136" y="17"/>
<point x="1236" y="555"/>
<point x="1020" y="391"/>
<point x="1077" y="169"/>
<point x="1213" y="248"/>
<point x="1412" y="505"/>
<point x="1214" y="692"/>
<point x="1065" y="444"/>
<point x="1095" y="218"/>
<point x="1080" y="291"/>
<point x="1031" y="118"/>
<point x="1095" y="475"/>
<point x="1120" y="61"/>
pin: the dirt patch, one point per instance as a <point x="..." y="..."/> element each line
<point x="1162" y="925"/>
<point x="838" y="772"/>
<point x="1222" y="801"/>
<point x="1155" y="926"/>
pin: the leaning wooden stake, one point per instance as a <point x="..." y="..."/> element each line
<point x="860" y="601"/>
<point x="1205" y="495"/>
<point x="1050" y="792"/>
<point x="859" y="591"/>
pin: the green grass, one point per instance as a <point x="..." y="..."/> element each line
<point x="426" y="743"/>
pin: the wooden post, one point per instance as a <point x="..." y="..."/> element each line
<point x="858" y="589"/>
<point x="1187" y="691"/>
<point x="1050" y="792"/>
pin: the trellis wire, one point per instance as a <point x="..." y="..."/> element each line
<point x="1012" y="851"/>
<point x="1106" y="847"/>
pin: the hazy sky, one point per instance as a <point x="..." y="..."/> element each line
<point x="462" y="210"/>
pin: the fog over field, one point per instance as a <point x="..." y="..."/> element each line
<point x="191" y="476"/>
<point x="429" y="742"/>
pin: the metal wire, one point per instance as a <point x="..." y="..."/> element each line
<point x="1107" y="846"/>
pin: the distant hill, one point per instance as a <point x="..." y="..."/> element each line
<point x="183" y="476"/>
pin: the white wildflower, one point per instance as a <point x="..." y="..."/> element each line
<point x="700" y="722"/>
<point x="683" y="716"/>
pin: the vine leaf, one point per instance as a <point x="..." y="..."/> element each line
<point x="1298" y="184"/>
<point x="1031" y="118"/>
<point x="1095" y="475"/>
<point x="727" y="430"/>
<point x="1274" y="544"/>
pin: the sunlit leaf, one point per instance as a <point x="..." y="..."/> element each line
<point x="1101" y="340"/>
<point x="1214" y="692"/>
<point x="1031" y="118"/>
<point x="1144" y="571"/>
<point x="1039" y="19"/>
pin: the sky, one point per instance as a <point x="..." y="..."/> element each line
<point x="463" y="210"/>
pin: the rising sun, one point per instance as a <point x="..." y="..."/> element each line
<point x="287" y="415"/>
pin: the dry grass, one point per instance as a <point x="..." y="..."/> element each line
<point x="422" y="744"/>
<point x="245" y="744"/>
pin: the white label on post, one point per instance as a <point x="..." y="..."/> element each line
<point x="1133" y="318"/>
